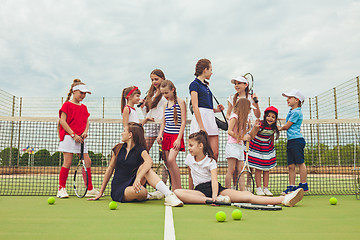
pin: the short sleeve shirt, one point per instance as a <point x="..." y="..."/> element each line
<point x="200" y="171"/>
<point x="296" y="117"/>
<point x="204" y="93"/>
<point x="76" y="117"/>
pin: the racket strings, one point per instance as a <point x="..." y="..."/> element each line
<point x="80" y="181"/>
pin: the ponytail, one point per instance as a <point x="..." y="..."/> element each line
<point x="201" y="65"/>
<point x="202" y="137"/>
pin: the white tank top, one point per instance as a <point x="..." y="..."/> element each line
<point x="133" y="117"/>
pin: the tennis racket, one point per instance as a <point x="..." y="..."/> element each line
<point x="81" y="176"/>
<point x="245" y="180"/>
<point x="162" y="170"/>
<point x="247" y="205"/>
<point x="249" y="77"/>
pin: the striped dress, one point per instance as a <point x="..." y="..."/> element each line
<point x="262" y="153"/>
<point x="170" y="126"/>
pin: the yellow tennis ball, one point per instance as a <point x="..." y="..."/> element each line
<point x="51" y="200"/>
<point x="333" y="201"/>
<point x="113" y="205"/>
<point x="236" y="214"/>
<point x="220" y="216"/>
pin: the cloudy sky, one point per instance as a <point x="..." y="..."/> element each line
<point x="44" y="45"/>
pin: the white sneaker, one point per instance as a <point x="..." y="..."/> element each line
<point x="173" y="201"/>
<point x="267" y="192"/>
<point x="62" y="193"/>
<point x="224" y="199"/>
<point x="157" y="195"/>
<point x="292" y="198"/>
<point x="92" y="193"/>
<point x="260" y="192"/>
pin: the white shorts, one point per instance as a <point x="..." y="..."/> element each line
<point x="208" y="119"/>
<point x="70" y="146"/>
<point x="234" y="150"/>
<point x="152" y="129"/>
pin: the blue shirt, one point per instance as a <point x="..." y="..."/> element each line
<point x="204" y="93"/>
<point x="296" y="117"/>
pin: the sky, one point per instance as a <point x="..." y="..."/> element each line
<point x="309" y="45"/>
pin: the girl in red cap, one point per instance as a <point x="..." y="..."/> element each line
<point x="262" y="155"/>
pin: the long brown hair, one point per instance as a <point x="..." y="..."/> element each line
<point x="241" y="109"/>
<point x="125" y="92"/>
<point x="75" y="83"/>
<point x="149" y="102"/>
<point x="237" y="95"/>
<point x="137" y="131"/>
<point x="201" y="65"/>
<point x="169" y="84"/>
<point x="202" y="137"/>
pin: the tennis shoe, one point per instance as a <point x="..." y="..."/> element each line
<point x="292" y="198"/>
<point x="267" y="192"/>
<point x="260" y="192"/>
<point x="173" y="201"/>
<point x="288" y="190"/>
<point x="92" y="193"/>
<point x="157" y="195"/>
<point x="304" y="186"/>
<point x="62" y="193"/>
<point x="223" y="199"/>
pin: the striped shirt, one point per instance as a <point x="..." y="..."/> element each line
<point x="170" y="126"/>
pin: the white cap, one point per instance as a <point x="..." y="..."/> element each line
<point x="82" y="88"/>
<point x="239" y="79"/>
<point x="295" y="93"/>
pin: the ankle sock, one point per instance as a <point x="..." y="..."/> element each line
<point x="163" y="188"/>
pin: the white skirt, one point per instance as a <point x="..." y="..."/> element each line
<point x="152" y="129"/>
<point x="208" y="119"/>
<point x="70" y="146"/>
<point x="234" y="150"/>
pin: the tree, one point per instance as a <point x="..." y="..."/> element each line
<point x="5" y="157"/>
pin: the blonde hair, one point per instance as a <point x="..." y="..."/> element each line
<point x="75" y="83"/>
<point x="241" y="109"/>
<point x="169" y="84"/>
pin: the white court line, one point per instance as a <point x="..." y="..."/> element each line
<point x="169" y="230"/>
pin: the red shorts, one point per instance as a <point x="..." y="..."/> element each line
<point x="168" y="142"/>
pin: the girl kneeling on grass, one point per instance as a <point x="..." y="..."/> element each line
<point x="203" y="174"/>
<point x="132" y="164"/>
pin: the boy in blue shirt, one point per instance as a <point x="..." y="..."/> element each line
<point x="296" y="142"/>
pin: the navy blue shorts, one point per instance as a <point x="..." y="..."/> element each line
<point x="206" y="189"/>
<point x="295" y="151"/>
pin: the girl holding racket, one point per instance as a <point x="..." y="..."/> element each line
<point x="262" y="155"/>
<point x="171" y="134"/>
<point x="203" y="175"/>
<point x="239" y="127"/>
<point x="202" y="102"/>
<point x="132" y="164"/>
<point x="73" y="129"/>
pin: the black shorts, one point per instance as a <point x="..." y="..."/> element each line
<point x="206" y="189"/>
<point x="295" y="151"/>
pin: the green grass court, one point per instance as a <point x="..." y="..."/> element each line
<point x="30" y="217"/>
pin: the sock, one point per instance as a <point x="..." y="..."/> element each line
<point x="90" y="186"/>
<point x="163" y="188"/>
<point x="64" y="172"/>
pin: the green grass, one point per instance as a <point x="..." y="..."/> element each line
<point x="73" y="218"/>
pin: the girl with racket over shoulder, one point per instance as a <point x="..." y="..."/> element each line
<point x="171" y="134"/>
<point x="132" y="164"/>
<point x="262" y="155"/>
<point x="202" y="103"/>
<point x="203" y="175"/>
<point x="73" y="130"/>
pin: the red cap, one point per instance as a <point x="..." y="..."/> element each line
<point x="273" y="109"/>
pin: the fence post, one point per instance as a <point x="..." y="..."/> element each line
<point x="311" y="134"/>
<point x="103" y="133"/>
<point x="60" y="154"/>
<point x="12" y="130"/>
<point x="358" y="92"/>
<point x="337" y="129"/>
<point x="18" y="157"/>
<point x="269" y="102"/>
<point x="318" y="129"/>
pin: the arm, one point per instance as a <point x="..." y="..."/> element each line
<point x="214" y="184"/>
<point x="195" y="104"/>
<point x="85" y="133"/>
<point x="161" y="132"/>
<point x="67" y="128"/>
<point x="257" y="112"/>
<point x="229" y="109"/>
<point x="231" y="127"/>
<point x="177" y="143"/>
<point x="125" y="116"/>
<point x="286" y="126"/>
<point x="219" y="108"/>
<point x="255" y="129"/>
<point x="191" y="183"/>
<point x="107" y="176"/>
<point x="143" y="169"/>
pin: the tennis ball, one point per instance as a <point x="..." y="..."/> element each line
<point x="236" y="214"/>
<point x="220" y="216"/>
<point x="333" y="201"/>
<point x="51" y="200"/>
<point x="113" y="205"/>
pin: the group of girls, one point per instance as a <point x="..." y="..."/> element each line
<point x="131" y="160"/>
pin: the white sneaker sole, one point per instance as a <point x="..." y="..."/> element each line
<point x="299" y="196"/>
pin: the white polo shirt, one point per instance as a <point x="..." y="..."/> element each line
<point x="200" y="171"/>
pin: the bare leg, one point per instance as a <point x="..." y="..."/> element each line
<point x="131" y="195"/>
<point x="230" y="172"/>
<point x="173" y="168"/>
<point x="292" y="174"/>
<point x="67" y="160"/>
<point x="258" y="178"/>
<point x="248" y="197"/>
<point x="303" y="173"/>
<point x="266" y="176"/>
<point x="191" y="196"/>
<point x="214" y="144"/>
<point x="235" y="175"/>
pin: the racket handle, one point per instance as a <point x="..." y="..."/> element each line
<point x="140" y="104"/>
<point x="256" y="100"/>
